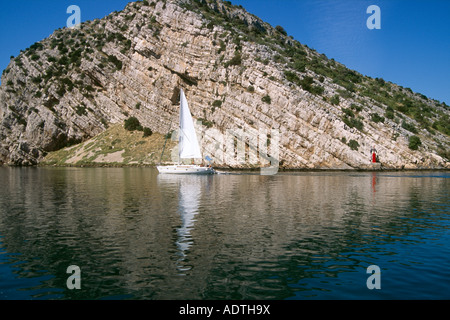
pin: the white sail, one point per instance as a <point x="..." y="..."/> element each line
<point x="188" y="146"/>
<point x="188" y="143"/>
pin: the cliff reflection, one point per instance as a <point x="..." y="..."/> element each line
<point x="133" y="232"/>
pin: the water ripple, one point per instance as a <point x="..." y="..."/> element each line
<point x="138" y="235"/>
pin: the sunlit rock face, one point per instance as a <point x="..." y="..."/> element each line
<point x="239" y="74"/>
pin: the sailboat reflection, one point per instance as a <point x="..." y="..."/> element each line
<point x="189" y="192"/>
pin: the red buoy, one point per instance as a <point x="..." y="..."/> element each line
<point x="374" y="155"/>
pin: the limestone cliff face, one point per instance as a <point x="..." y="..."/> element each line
<point x="238" y="73"/>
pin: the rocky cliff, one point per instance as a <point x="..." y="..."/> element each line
<point x="238" y="72"/>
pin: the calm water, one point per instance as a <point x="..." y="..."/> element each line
<point x="139" y="235"/>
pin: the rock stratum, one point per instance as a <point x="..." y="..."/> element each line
<point x="238" y="73"/>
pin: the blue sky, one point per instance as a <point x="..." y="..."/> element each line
<point x="24" y="22"/>
<point x="412" y="48"/>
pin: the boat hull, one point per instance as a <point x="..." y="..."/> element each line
<point x="185" y="169"/>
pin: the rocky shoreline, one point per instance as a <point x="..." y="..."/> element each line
<point x="251" y="169"/>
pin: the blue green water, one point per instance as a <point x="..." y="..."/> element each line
<point x="135" y="234"/>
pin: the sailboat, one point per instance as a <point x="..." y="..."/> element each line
<point x="188" y="146"/>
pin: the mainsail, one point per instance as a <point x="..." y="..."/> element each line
<point x="188" y="143"/>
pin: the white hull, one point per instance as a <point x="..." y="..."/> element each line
<point x="185" y="169"/>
